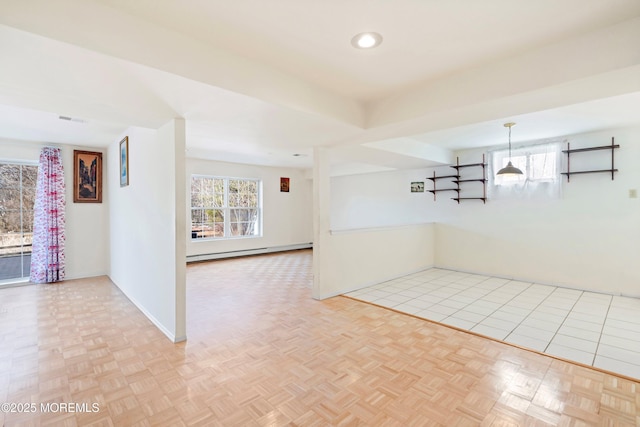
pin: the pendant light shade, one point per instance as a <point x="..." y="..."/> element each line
<point x="509" y="169"/>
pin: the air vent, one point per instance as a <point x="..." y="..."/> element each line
<point x="71" y="119"/>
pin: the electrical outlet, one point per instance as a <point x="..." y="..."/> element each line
<point x="633" y="193"/>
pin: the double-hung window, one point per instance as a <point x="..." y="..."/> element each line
<point x="223" y="207"/>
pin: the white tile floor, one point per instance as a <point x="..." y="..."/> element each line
<point x="591" y="328"/>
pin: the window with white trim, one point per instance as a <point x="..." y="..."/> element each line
<point x="540" y="166"/>
<point x="225" y="208"/>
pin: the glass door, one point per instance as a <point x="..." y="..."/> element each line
<point x="17" y="196"/>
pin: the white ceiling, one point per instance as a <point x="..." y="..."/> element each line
<point x="423" y="39"/>
<point x="258" y="81"/>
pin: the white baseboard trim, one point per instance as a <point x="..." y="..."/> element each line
<point x="149" y="316"/>
<point x="14" y="284"/>
<point x="85" y="275"/>
<point x="246" y="252"/>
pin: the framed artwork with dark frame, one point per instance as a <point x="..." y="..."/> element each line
<point x="284" y="185"/>
<point x="87" y="177"/>
<point x="124" y="162"/>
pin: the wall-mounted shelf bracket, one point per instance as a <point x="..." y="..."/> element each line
<point x="482" y="180"/>
<point x="435" y="190"/>
<point x="569" y="151"/>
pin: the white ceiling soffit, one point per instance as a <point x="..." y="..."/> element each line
<point x="107" y="28"/>
<point x="375" y="156"/>
<point x="414" y="148"/>
<point x="103" y="91"/>
<point x="356" y="168"/>
<point x="31" y="125"/>
<point x="607" y="113"/>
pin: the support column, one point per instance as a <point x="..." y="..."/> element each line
<point x="180" y="228"/>
<point x="321" y="219"/>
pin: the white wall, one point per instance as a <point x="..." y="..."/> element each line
<point x="286" y="216"/>
<point x="373" y="239"/>
<point x="359" y="258"/>
<point x="589" y="238"/>
<point x="147" y="255"/>
<point x="379" y="199"/>
<point x="87" y="224"/>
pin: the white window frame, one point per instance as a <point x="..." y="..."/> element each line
<point x="522" y="158"/>
<point x="196" y="233"/>
<point x="542" y="181"/>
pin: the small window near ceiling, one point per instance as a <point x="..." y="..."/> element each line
<point x="540" y="166"/>
<point x="225" y="208"/>
<point x="536" y="163"/>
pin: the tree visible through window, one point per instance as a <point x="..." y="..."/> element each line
<point x="17" y="195"/>
<point x="224" y="207"/>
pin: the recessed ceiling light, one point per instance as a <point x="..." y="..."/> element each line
<point x="366" y="40"/>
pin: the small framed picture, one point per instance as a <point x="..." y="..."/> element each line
<point x="417" y="187"/>
<point x="87" y="177"/>
<point x="124" y="162"/>
<point x="284" y="185"/>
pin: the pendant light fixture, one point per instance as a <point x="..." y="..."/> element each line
<point x="509" y="169"/>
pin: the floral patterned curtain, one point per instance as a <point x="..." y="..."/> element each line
<point x="47" y="258"/>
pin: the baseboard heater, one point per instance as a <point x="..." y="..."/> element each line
<point x="246" y="252"/>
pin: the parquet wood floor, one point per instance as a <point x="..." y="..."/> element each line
<point x="261" y="352"/>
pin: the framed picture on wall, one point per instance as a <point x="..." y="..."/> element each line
<point x="124" y="162"/>
<point x="417" y="187"/>
<point x="87" y="177"/>
<point x="284" y="185"/>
